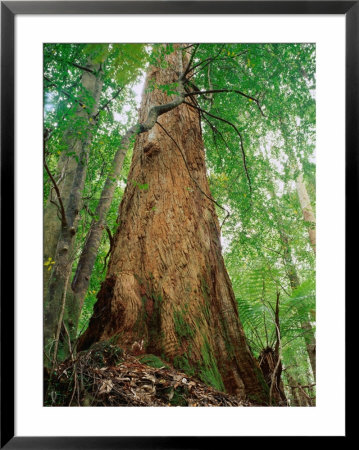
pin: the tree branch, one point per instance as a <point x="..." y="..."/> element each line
<point x="86" y="69"/>
<point x="278" y="347"/>
<point x="237" y="131"/>
<point x="53" y="84"/>
<point x="214" y="91"/>
<point x="111" y="246"/>
<point x="117" y="93"/>
<point x="205" y="62"/>
<point x="71" y="63"/>
<point x="217" y="58"/>
<point x="57" y="190"/>
<point x="62" y="91"/>
<point x="308" y="386"/>
<point x="188" y="68"/>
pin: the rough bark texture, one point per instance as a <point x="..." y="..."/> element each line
<point x="64" y="254"/>
<point x="167" y="291"/>
<point x="307" y="210"/>
<point x="87" y="259"/>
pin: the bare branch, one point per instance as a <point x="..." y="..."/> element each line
<point x="308" y="386"/>
<point x="205" y="62"/>
<point x="188" y="68"/>
<point x="53" y="84"/>
<point x="117" y="93"/>
<point x="238" y="133"/>
<point x="62" y="91"/>
<point x="57" y="190"/>
<point x="111" y="246"/>
<point x="215" y="91"/>
<point x="86" y="69"/>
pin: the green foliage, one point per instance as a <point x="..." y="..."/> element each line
<point x="105" y="353"/>
<point x="182" y="362"/>
<point x="251" y="172"/>
<point x="209" y="372"/>
<point x="141" y="187"/>
<point x="152" y="361"/>
<point x="182" y="327"/>
<point x="63" y="97"/>
<point x="265" y="235"/>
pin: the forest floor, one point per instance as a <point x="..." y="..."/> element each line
<point x="107" y="376"/>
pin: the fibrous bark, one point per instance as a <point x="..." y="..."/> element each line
<point x="87" y="259"/>
<point x="271" y="367"/>
<point x="167" y="291"/>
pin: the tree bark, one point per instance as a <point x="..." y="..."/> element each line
<point x="295" y="400"/>
<point x="270" y="364"/>
<point x="64" y="254"/>
<point x="309" y="337"/>
<point x="93" y="239"/>
<point x="65" y="175"/>
<point x="167" y="291"/>
<point x="307" y="210"/>
<point x="87" y="259"/>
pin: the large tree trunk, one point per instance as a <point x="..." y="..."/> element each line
<point x="167" y="291"/>
<point x="54" y="306"/>
<point x="88" y="255"/>
<point x="307" y="210"/>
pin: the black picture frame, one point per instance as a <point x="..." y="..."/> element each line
<point x="9" y="9"/>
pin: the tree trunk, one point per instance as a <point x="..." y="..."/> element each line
<point x="167" y="291"/>
<point x="93" y="238"/>
<point x="64" y="254"/>
<point x="268" y="361"/>
<point x="292" y="387"/>
<point x="89" y="252"/>
<point x="64" y="176"/>
<point x="307" y="210"/>
<point x="309" y="337"/>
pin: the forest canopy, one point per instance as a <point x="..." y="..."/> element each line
<point x="179" y="216"/>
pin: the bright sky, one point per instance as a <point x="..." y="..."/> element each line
<point x="137" y="88"/>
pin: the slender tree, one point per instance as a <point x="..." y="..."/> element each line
<point x="107" y="67"/>
<point x="55" y="294"/>
<point x="63" y="178"/>
<point x="307" y="210"/>
<point x="293" y="278"/>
